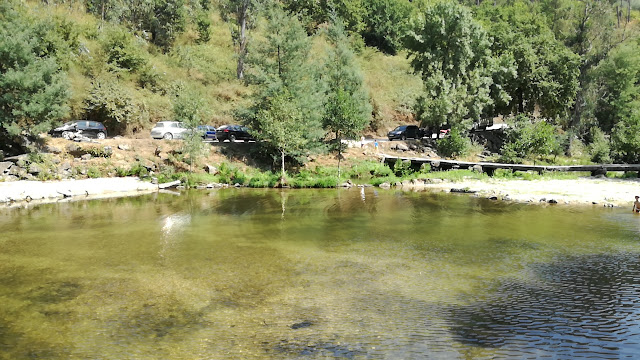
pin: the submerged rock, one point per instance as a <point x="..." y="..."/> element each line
<point x="301" y="325"/>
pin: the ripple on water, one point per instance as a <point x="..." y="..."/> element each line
<point x="580" y="306"/>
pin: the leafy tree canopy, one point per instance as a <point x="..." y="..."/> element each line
<point x="452" y="53"/>
<point x="33" y="89"/>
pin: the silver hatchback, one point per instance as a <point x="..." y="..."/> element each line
<point x="168" y="130"/>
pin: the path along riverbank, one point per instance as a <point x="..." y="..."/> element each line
<point x="582" y="191"/>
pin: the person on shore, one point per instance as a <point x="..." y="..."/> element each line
<point x="636" y="205"/>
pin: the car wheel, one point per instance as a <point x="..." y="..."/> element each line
<point x="66" y="135"/>
<point x="232" y="138"/>
<point x="403" y="137"/>
<point x="167" y="136"/>
<point x="101" y="135"/>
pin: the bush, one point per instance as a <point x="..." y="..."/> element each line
<point x="625" y="140"/>
<point x="599" y="148"/>
<point x="264" y="179"/>
<point x="112" y="103"/>
<point x="527" y="139"/>
<point x="93" y="172"/>
<point x="402" y="168"/>
<point x="454" y="144"/>
<point x="121" y="50"/>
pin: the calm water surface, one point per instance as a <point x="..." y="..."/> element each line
<point x="362" y="274"/>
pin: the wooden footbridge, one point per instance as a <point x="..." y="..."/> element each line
<point x="489" y="167"/>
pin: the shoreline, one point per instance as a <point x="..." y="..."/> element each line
<point x="32" y="192"/>
<point x="583" y="191"/>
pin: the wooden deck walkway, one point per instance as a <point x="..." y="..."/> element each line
<point x="489" y="168"/>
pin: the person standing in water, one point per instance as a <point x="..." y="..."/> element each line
<point x="636" y="205"/>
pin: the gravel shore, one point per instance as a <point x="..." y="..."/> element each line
<point x="19" y="192"/>
<point x="583" y="191"/>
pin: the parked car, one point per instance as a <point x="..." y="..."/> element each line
<point x="233" y="133"/>
<point x="404" y="132"/>
<point x="168" y="130"/>
<point x="86" y="128"/>
<point x="208" y="132"/>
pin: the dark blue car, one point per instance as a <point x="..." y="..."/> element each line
<point x="208" y="132"/>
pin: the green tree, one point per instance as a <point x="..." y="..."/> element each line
<point x="386" y="24"/>
<point x="189" y="108"/>
<point x="164" y="19"/>
<point x="347" y="107"/>
<point x="114" y="104"/>
<point x="169" y="19"/>
<point x="33" y="89"/>
<point x="281" y="123"/>
<point x="121" y="50"/>
<point x="546" y="76"/>
<point x="452" y="54"/>
<point x="242" y="14"/>
<point x="618" y="82"/>
<point x="279" y="64"/>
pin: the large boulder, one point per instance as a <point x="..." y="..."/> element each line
<point x="5" y="166"/>
<point x="211" y="169"/>
<point x="34" y="169"/>
<point x="401" y="147"/>
<point x="52" y="149"/>
<point x="385" y="185"/>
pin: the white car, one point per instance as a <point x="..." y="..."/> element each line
<point x="168" y="130"/>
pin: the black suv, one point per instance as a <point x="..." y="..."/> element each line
<point x="80" y="127"/>
<point x="233" y="133"/>
<point x="404" y="132"/>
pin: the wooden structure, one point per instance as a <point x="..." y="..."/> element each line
<point x="490" y="168"/>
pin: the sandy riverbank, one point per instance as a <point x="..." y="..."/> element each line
<point x="583" y="191"/>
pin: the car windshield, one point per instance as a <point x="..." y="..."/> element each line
<point x="400" y="128"/>
<point x="70" y="123"/>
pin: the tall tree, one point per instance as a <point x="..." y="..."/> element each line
<point x="189" y="108"/>
<point x="279" y="65"/>
<point x="452" y="54"/>
<point x="546" y="72"/>
<point x="281" y="123"/>
<point x="347" y="107"/>
<point x="386" y="24"/>
<point x="241" y="13"/>
<point x="33" y="89"/>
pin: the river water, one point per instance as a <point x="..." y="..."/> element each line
<point x="309" y="274"/>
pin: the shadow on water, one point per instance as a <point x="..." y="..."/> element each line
<point x="577" y="307"/>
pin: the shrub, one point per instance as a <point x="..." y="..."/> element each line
<point x="454" y="144"/>
<point x="599" y="148"/>
<point x="121" y="51"/>
<point x="93" y="172"/>
<point x="528" y="139"/>
<point x="402" y="168"/>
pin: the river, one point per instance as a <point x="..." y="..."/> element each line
<point x="317" y="274"/>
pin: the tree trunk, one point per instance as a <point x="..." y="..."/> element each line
<point x="242" y="46"/>
<point x="282" y="157"/>
<point x="339" y="154"/>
